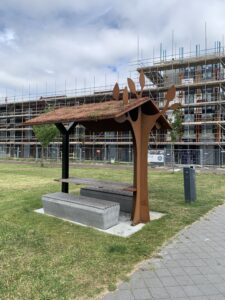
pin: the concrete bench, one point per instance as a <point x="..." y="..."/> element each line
<point x="89" y="211"/>
<point x="124" y="198"/>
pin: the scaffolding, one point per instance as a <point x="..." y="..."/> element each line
<point x="18" y="142"/>
<point x="199" y="78"/>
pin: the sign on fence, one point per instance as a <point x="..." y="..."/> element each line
<point x="155" y="158"/>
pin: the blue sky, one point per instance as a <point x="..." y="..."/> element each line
<point x="48" y="45"/>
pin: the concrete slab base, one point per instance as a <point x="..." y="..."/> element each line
<point x="123" y="228"/>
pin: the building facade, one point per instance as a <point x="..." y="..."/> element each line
<point x="200" y="83"/>
<point x="18" y="141"/>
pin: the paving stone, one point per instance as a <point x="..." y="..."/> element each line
<point x="219" y="269"/>
<point x="192" y="290"/>
<point x="162" y="272"/>
<point x="168" y="281"/>
<point x="185" y="263"/>
<point x="208" y="289"/>
<point x="206" y="270"/>
<point x="220" y="287"/>
<point x="154" y="283"/>
<point x="199" y="279"/>
<point x="217" y="297"/>
<point x="183" y="280"/>
<point x="176" y="255"/>
<point x="191" y="256"/>
<point x="211" y="262"/>
<point x="140" y="294"/>
<point x="198" y="262"/>
<point x="204" y="255"/>
<point x="149" y="275"/>
<point x="159" y="293"/>
<point x="175" y="292"/>
<point x="124" y="295"/>
<point x="177" y="271"/>
<point x="214" y="278"/>
<point x="137" y="284"/>
<point x="171" y="264"/>
<point x="192" y="270"/>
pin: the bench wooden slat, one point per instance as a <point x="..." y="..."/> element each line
<point x="99" y="183"/>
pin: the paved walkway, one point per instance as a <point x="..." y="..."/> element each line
<point x="192" y="266"/>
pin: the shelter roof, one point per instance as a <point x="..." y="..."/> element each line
<point x="89" y="113"/>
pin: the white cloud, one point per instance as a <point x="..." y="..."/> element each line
<point x="7" y="36"/>
<point x="57" y="41"/>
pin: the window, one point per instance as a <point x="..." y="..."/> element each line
<point x="207" y="94"/>
<point x="189" y="96"/>
<point x="208" y="110"/>
<point x="207" y="72"/>
<point x="216" y="69"/>
<point x="207" y="129"/>
<point x="189" y="72"/>
<point x="189" y="110"/>
<point x="189" y="130"/>
<point x="188" y="118"/>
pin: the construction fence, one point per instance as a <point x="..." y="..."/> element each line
<point x="169" y="156"/>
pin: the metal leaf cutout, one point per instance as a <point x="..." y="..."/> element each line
<point x="132" y="86"/>
<point x="171" y="93"/>
<point x="125" y="96"/>
<point x="116" y="92"/>
<point x="175" y="106"/>
<point x="142" y="80"/>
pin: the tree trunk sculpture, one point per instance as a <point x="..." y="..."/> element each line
<point x="142" y="124"/>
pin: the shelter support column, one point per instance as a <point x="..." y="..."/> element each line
<point x="65" y="162"/>
<point x="134" y="173"/>
<point x="65" y="153"/>
<point x="140" y="140"/>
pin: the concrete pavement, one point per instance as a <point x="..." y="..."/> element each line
<point x="191" y="266"/>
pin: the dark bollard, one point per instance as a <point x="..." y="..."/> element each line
<point x="189" y="184"/>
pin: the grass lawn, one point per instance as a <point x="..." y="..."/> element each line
<point x="45" y="258"/>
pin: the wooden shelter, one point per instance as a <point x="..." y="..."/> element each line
<point x="138" y="115"/>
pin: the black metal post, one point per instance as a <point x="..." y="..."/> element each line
<point x="65" y="152"/>
<point x="65" y="161"/>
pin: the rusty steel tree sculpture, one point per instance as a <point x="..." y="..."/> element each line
<point x="127" y="111"/>
<point x="142" y="123"/>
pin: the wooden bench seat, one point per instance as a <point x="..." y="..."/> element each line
<point x="89" y="211"/>
<point x="99" y="183"/>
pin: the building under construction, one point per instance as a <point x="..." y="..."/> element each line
<point x="200" y="83"/>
